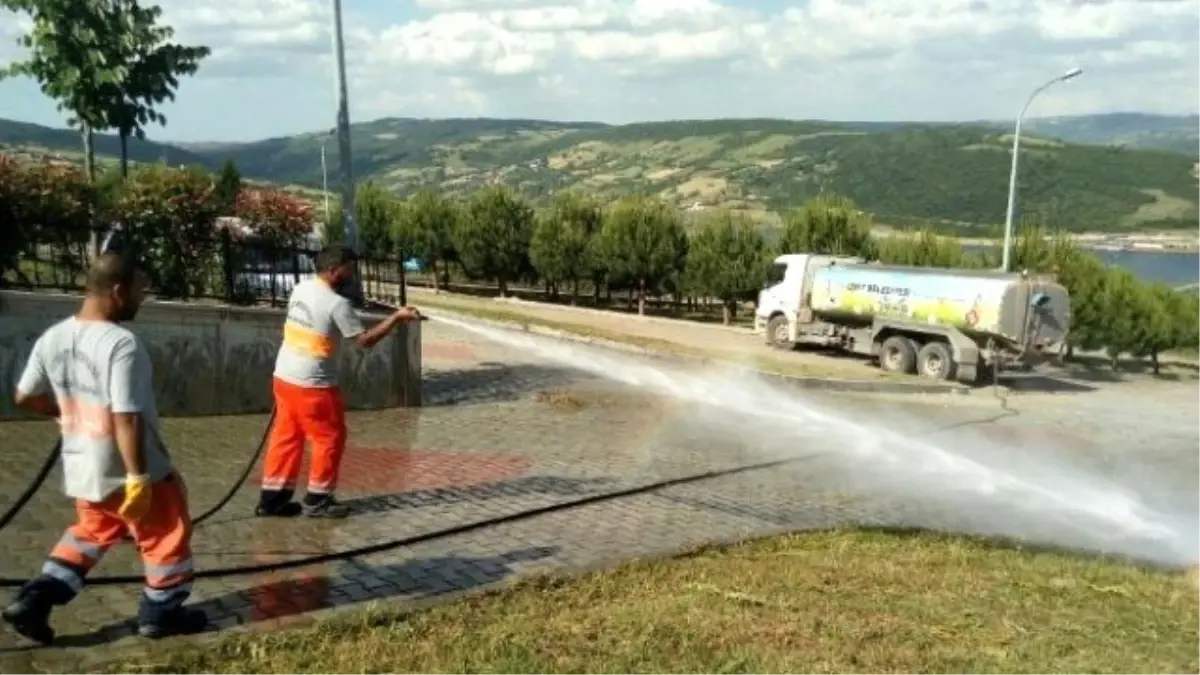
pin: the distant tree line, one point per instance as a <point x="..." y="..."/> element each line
<point x="577" y="244"/>
<point x="640" y="244"/>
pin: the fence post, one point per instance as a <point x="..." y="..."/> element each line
<point x="403" y="281"/>
<point x="227" y="264"/>
<point x="272" y="268"/>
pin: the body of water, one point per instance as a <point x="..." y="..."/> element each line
<point x="1174" y="268"/>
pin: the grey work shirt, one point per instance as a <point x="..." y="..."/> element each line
<point x="318" y="320"/>
<point x="95" y="369"/>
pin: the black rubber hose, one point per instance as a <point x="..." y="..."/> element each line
<point x="220" y="572"/>
<point x="233" y="489"/>
<point x="33" y="486"/>
<point x="44" y="472"/>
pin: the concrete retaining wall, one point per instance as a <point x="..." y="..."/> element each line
<point x="213" y="359"/>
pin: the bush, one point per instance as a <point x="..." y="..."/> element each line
<point x="171" y="219"/>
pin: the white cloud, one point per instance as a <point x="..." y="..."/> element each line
<point x="639" y="59"/>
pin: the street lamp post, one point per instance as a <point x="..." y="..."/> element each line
<point x="325" y="174"/>
<point x="1012" y="177"/>
<point x="349" y="222"/>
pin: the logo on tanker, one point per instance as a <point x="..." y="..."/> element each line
<point x="880" y="290"/>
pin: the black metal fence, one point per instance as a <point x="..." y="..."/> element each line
<point x="224" y="268"/>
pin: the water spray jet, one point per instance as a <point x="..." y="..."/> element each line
<point x="1088" y="505"/>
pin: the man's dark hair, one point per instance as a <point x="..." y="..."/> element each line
<point x="110" y="270"/>
<point x="333" y="257"/>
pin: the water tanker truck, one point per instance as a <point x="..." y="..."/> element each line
<point x="944" y="324"/>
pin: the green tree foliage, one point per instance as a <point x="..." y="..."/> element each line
<point x="492" y="239"/>
<point x="561" y="248"/>
<point x="146" y="67"/>
<point x="427" y="222"/>
<point x="828" y="224"/>
<point x="641" y="240"/>
<point x="229" y="185"/>
<point x="378" y="212"/>
<point x="726" y="260"/>
<point x="170" y="215"/>
<point x="65" y="55"/>
<point x="639" y="244"/>
<point x="922" y="249"/>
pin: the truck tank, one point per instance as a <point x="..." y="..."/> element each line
<point x="1024" y="311"/>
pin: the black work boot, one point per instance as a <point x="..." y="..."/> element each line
<point x="175" y="621"/>
<point x="29" y="615"/>
<point x="283" y="510"/>
<point x="324" y="506"/>
<point x="277" y="504"/>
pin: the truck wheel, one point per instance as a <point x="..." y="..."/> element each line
<point x="898" y="354"/>
<point x="777" y="333"/>
<point x="935" y="361"/>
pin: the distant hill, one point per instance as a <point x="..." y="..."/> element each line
<point x="34" y="139"/>
<point x="955" y="175"/>
<point x="1176" y="133"/>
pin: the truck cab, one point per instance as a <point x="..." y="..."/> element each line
<point x="782" y="303"/>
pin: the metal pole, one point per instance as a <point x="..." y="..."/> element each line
<point x="1006" y="254"/>
<point x="325" y="181"/>
<point x="350" y="223"/>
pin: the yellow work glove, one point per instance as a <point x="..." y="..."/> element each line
<point x="137" y="498"/>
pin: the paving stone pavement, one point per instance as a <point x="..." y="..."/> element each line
<point x="505" y="430"/>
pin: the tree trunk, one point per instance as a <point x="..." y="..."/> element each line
<point x="1154" y="360"/>
<point x="726" y="312"/>
<point x="89" y="168"/>
<point x="575" y="291"/>
<point x="124" y="156"/>
<point x="446" y="275"/>
<point x="433" y="271"/>
<point x="503" y="287"/>
<point x="641" y="296"/>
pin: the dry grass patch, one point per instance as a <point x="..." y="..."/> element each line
<point x="842" y="601"/>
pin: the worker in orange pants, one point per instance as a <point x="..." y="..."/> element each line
<point x="308" y="398"/>
<point x="95" y="376"/>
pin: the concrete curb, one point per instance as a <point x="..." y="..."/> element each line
<point x="792" y="381"/>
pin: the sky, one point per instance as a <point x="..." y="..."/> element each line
<point x="271" y="71"/>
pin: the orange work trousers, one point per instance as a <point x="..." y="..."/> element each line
<point x="305" y="413"/>
<point x="163" y="537"/>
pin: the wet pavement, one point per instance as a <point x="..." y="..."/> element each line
<point x="504" y="432"/>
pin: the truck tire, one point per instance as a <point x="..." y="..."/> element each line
<point x="935" y="361"/>
<point x="777" y="333"/>
<point x="898" y="354"/>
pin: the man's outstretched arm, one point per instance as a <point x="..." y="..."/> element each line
<point x="352" y="328"/>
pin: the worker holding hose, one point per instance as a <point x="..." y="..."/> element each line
<point x="95" y="376"/>
<point x="308" y="399"/>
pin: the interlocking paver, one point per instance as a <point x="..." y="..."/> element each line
<point x="506" y="431"/>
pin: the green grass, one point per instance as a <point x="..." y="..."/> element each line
<point x="835" y="602"/>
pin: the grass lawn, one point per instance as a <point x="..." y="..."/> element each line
<point x="839" y="601"/>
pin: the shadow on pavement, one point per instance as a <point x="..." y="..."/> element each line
<point x="1048" y="383"/>
<point x="355" y="582"/>
<point x="515" y="488"/>
<point x="493" y="382"/>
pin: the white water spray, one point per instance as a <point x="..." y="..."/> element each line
<point x="1110" y="517"/>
